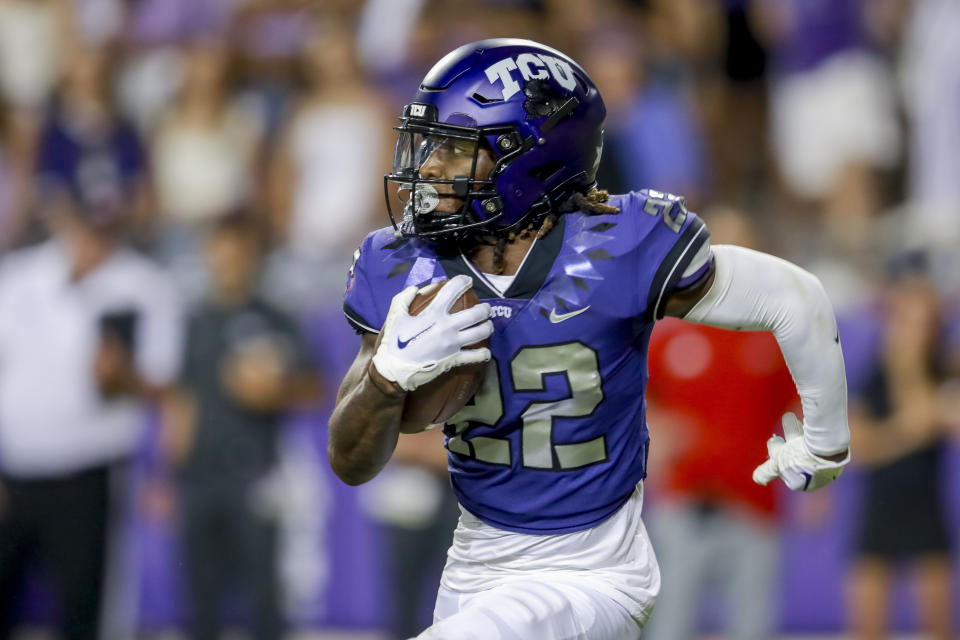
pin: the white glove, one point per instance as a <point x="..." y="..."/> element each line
<point x="416" y="349"/>
<point x="792" y="461"/>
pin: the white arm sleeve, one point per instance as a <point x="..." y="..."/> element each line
<point x="756" y="291"/>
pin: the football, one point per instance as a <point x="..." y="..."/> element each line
<point x="442" y="397"/>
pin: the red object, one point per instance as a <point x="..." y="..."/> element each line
<point x="716" y="396"/>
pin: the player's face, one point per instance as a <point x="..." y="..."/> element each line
<point x="447" y="158"/>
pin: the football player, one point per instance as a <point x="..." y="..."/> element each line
<point x="496" y="161"/>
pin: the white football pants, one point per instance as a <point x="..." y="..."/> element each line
<point x="595" y="584"/>
<point x="525" y="610"/>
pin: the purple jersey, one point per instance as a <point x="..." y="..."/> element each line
<point x="556" y="439"/>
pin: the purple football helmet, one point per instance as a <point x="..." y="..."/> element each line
<point x="532" y="106"/>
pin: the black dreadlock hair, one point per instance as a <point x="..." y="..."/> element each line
<point x="592" y="202"/>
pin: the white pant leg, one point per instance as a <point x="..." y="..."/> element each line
<point x="542" y="608"/>
<point x="595" y="584"/>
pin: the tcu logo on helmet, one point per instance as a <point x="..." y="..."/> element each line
<point x="531" y="66"/>
<point x="417" y="110"/>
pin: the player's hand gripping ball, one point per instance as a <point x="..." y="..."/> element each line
<point x="434" y="344"/>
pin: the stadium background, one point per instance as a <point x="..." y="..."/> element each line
<point x="303" y="95"/>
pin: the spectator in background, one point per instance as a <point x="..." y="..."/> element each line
<point x="737" y="111"/>
<point x="83" y="137"/>
<point x="88" y="330"/>
<point x="6" y="215"/>
<point x="17" y="162"/>
<point x="269" y="37"/>
<point x="833" y="113"/>
<point x="203" y="154"/>
<point x="326" y="191"/>
<point x="152" y="65"/>
<point x="714" y="396"/>
<point x="385" y="38"/>
<point x="243" y="369"/>
<point x="326" y="195"/>
<point x="651" y="135"/>
<point x="100" y="22"/>
<point x="900" y="435"/>
<point x="35" y="38"/>
<point x="931" y="93"/>
<point x="418" y="511"/>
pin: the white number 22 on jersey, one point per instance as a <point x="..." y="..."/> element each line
<point x="528" y="370"/>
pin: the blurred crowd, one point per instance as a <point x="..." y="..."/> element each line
<point x="206" y="168"/>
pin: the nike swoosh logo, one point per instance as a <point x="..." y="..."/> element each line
<point x="403" y="343"/>
<point x="560" y="317"/>
<point x="808" y="477"/>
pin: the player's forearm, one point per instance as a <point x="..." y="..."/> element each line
<point x="364" y="429"/>
<point x="756" y="291"/>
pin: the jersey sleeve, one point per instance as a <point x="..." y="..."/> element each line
<point x="382" y="267"/>
<point x="698" y="269"/>
<point x="360" y="302"/>
<point x="685" y="257"/>
<point x="674" y="247"/>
